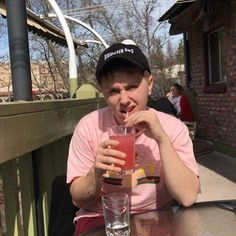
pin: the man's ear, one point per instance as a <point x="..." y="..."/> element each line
<point x="150" y="80"/>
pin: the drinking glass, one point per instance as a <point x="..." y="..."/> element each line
<point x="126" y="138"/>
<point x="116" y="214"/>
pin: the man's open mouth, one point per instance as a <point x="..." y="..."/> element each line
<point x="127" y="111"/>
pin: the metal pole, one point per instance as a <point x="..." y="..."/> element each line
<point x="72" y="60"/>
<point x="95" y="33"/>
<point x="19" y="50"/>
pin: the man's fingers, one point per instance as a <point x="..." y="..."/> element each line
<point x="108" y="158"/>
<point x="111" y="167"/>
<point x="113" y="153"/>
<point x="111" y="160"/>
<point x="107" y="143"/>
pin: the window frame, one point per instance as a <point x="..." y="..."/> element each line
<point x="218" y="87"/>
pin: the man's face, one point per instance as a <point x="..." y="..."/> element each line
<point x="126" y="93"/>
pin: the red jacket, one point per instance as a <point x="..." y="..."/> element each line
<point x="186" y="109"/>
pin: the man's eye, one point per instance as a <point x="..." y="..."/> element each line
<point x="132" y="87"/>
<point x="113" y="91"/>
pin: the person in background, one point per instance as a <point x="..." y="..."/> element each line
<point x="180" y="102"/>
<point x="165" y="166"/>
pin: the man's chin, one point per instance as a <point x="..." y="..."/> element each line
<point x="119" y="120"/>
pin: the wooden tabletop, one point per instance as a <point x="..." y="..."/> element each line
<point x="201" y="219"/>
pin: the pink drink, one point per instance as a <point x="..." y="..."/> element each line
<point x="126" y="145"/>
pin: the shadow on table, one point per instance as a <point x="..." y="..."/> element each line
<point x="220" y="163"/>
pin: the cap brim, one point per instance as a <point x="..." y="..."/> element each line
<point x="108" y="61"/>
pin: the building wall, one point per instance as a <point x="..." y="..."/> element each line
<point x="44" y="85"/>
<point x="216" y="112"/>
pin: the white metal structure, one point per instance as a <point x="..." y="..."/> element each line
<point x="95" y="33"/>
<point x="73" y="75"/>
<point x="72" y="59"/>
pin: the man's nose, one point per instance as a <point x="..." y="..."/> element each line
<point x="124" y="98"/>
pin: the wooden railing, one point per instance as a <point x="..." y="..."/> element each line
<point x="34" y="140"/>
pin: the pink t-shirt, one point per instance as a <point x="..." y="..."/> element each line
<point x="146" y="186"/>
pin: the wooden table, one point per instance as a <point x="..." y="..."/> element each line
<point x="199" y="220"/>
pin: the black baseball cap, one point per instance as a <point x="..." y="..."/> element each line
<point x="131" y="53"/>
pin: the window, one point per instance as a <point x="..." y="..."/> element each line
<point x="216" y="57"/>
<point x="216" y="61"/>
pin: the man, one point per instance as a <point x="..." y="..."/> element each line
<point x="165" y="167"/>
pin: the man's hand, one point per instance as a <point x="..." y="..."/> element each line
<point x="148" y="123"/>
<point x="107" y="158"/>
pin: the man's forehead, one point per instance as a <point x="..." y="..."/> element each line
<point x="123" y="78"/>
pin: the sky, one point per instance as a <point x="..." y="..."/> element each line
<point x="165" y="5"/>
<point x="3" y="39"/>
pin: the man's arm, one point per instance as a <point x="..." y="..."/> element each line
<point x="181" y="181"/>
<point x="86" y="189"/>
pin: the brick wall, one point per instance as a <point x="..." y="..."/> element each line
<point x="216" y="112"/>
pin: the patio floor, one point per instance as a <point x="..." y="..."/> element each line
<point x="217" y="176"/>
